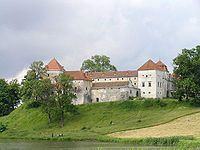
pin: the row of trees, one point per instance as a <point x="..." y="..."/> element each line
<point x="187" y="74"/>
<point x="37" y="90"/>
<point x="9" y="96"/>
<point x="55" y="99"/>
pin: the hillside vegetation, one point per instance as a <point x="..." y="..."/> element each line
<point x="95" y="120"/>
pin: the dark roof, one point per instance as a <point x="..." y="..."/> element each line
<point x="112" y="74"/>
<point x="110" y="84"/>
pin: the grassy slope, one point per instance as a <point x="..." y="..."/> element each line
<point x="95" y="118"/>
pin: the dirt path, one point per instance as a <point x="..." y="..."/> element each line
<point x="188" y="125"/>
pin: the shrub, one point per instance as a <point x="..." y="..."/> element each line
<point x="188" y="145"/>
<point x="33" y="104"/>
<point x="3" y="127"/>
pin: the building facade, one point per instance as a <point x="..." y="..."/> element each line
<point x="151" y="80"/>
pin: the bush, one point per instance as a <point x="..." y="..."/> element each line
<point x="3" y="127"/>
<point x="188" y="145"/>
<point x="33" y="104"/>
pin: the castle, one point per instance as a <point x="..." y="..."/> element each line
<point x="151" y="80"/>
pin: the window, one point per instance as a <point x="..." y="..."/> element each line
<point x="86" y="88"/>
<point x="110" y="79"/>
<point x="149" y="92"/>
<point x="97" y="79"/>
<point x="149" y="84"/>
<point x="158" y="84"/>
<point x="135" y="84"/>
<point x="143" y="84"/>
<point x="122" y="78"/>
<point x="75" y="89"/>
<point x="143" y="92"/>
<point x="105" y="79"/>
<point x="146" y="75"/>
<point x="130" y="91"/>
<point x="134" y="78"/>
<point x="97" y="99"/>
<point x="48" y="75"/>
<point x="117" y="78"/>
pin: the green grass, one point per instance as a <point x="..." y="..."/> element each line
<point x="93" y="120"/>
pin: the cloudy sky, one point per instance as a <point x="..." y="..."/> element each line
<point x="128" y="31"/>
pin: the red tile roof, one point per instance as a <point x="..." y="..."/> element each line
<point x="54" y="65"/>
<point x="110" y="84"/>
<point x="77" y="75"/>
<point x="112" y="74"/>
<point x="161" y="66"/>
<point x="150" y="65"/>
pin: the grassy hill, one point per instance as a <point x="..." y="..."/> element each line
<point x="93" y="120"/>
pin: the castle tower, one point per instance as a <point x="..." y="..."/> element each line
<point x="153" y="79"/>
<point x="54" y="68"/>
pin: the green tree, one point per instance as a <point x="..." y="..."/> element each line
<point x="38" y="68"/>
<point x="4" y="98"/>
<point x="187" y="71"/>
<point x="14" y="94"/>
<point x="98" y="63"/>
<point x="29" y="84"/>
<point x="64" y="95"/>
<point x="9" y="96"/>
<point x="46" y="96"/>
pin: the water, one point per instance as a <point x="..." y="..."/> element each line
<point x="54" y="145"/>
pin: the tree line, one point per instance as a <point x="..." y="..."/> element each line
<point x="54" y="98"/>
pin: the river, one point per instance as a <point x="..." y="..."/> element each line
<point x="54" y="145"/>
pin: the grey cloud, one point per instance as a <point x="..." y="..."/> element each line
<point x="129" y="31"/>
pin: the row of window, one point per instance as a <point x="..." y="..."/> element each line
<point x="106" y="79"/>
<point x="146" y="75"/>
<point x="149" y="84"/>
<point x="150" y="92"/>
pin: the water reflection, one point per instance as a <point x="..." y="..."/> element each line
<point x="52" y="145"/>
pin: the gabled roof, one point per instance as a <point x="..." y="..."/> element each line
<point x="149" y="65"/>
<point x="54" y="65"/>
<point x="161" y="66"/>
<point x="77" y="75"/>
<point x="110" y="84"/>
<point x="112" y="74"/>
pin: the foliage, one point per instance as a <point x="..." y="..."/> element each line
<point x="186" y="69"/>
<point x="3" y="127"/>
<point x="188" y="145"/>
<point x="64" y="95"/>
<point x="98" y="63"/>
<point x="9" y="96"/>
<point x="93" y="120"/>
<point x="38" y="68"/>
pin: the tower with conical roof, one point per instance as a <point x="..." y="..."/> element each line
<point x="54" y="68"/>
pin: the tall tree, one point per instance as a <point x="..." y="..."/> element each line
<point x="186" y="68"/>
<point x="30" y="82"/>
<point x="38" y="68"/>
<point x="46" y="96"/>
<point x="9" y="96"/>
<point x="4" y="98"/>
<point x="14" y="94"/>
<point x="64" y="95"/>
<point x="98" y="63"/>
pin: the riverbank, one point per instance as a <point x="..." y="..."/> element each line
<point x="95" y="121"/>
